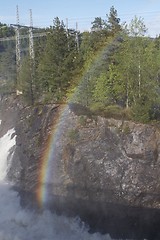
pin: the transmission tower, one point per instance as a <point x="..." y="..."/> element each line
<point x="31" y="50"/>
<point x="18" y="50"/>
<point x="31" y="45"/>
<point x="77" y="38"/>
<point x="32" y="63"/>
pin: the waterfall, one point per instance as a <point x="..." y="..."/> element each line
<point x="21" y="224"/>
<point x="6" y="144"/>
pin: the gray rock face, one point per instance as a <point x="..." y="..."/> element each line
<point x="110" y="161"/>
<point x="98" y="164"/>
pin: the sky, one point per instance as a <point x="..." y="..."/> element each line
<point x="82" y="12"/>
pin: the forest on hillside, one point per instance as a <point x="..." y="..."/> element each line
<point x="113" y="70"/>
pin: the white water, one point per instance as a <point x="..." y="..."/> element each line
<point x="19" y="224"/>
<point x="6" y="143"/>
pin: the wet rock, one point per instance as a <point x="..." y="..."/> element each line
<point x="99" y="163"/>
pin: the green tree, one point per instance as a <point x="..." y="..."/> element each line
<point x="98" y="24"/>
<point x="26" y="82"/>
<point x="137" y="27"/>
<point x="53" y="71"/>
<point x="113" y="22"/>
<point x="100" y="91"/>
<point x="137" y="63"/>
<point x="137" y="30"/>
<point x="108" y="88"/>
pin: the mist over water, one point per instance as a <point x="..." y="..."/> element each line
<point x="21" y="224"/>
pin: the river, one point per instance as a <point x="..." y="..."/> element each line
<point x="17" y="223"/>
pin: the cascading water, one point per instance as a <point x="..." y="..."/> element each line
<point x="6" y="143"/>
<point x="20" y="224"/>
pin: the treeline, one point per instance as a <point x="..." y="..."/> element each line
<point x="62" y="57"/>
<point x="113" y="70"/>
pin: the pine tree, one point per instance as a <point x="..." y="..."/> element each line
<point x="98" y="24"/>
<point x="53" y="73"/>
<point x="113" y="22"/>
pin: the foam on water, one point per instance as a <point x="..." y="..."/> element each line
<point x="19" y="224"/>
<point x="6" y="143"/>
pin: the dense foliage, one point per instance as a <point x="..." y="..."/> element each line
<point x="113" y="69"/>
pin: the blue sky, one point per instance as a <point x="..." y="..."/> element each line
<point x="81" y="11"/>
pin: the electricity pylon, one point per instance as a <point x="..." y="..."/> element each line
<point x="32" y="62"/>
<point x="77" y="38"/>
<point x="18" y="50"/>
<point x="31" y="45"/>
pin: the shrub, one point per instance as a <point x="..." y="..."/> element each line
<point x="111" y="111"/>
<point x="97" y="107"/>
<point x="140" y="113"/>
<point x="127" y="113"/>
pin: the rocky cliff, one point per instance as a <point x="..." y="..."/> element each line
<point x="106" y="171"/>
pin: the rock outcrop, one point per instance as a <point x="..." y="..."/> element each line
<point x="106" y="171"/>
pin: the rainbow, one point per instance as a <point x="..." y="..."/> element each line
<point x="47" y="156"/>
<point x="50" y="146"/>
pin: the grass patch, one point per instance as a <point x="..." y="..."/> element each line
<point x="111" y="111"/>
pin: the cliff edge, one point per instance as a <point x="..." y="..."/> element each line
<point x="103" y="170"/>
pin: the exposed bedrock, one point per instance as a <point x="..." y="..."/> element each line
<point x="106" y="171"/>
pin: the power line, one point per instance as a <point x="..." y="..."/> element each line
<point x="35" y="35"/>
<point x="83" y="22"/>
<point x="18" y="39"/>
